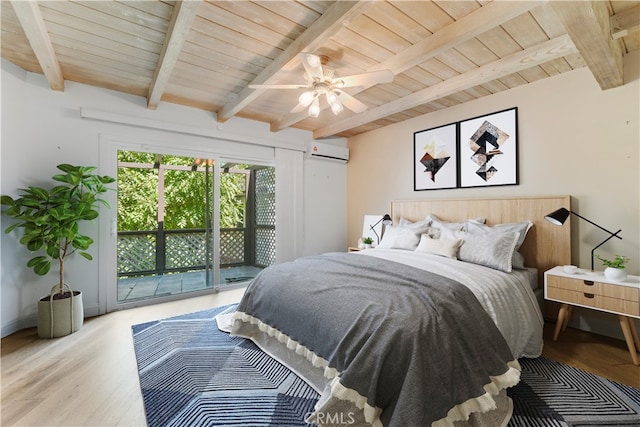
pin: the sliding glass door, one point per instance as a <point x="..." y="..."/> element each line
<point x="179" y="233"/>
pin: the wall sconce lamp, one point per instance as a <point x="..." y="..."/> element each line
<point x="385" y="220"/>
<point x="559" y="216"/>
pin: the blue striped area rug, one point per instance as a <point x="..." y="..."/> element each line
<point x="553" y="394"/>
<point x="192" y="374"/>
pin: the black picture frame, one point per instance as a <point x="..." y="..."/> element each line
<point x="488" y="150"/>
<point x="435" y="158"/>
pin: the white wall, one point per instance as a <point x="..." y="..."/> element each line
<point x="325" y="206"/>
<point x="574" y="139"/>
<point x="42" y="128"/>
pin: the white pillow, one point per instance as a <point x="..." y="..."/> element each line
<point x="443" y="247"/>
<point x="494" y="250"/>
<point x="397" y="237"/>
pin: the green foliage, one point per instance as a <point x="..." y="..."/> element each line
<point x="137" y="199"/>
<point x="184" y="193"/>
<point x="618" y="262"/>
<point x="50" y="217"/>
<point x="232" y="199"/>
<point x="185" y="200"/>
<point x="367" y="240"/>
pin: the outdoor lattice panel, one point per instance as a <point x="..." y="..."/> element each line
<point x="265" y="246"/>
<point x="136" y="253"/>
<point x="266" y="196"/>
<point x="265" y="216"/>
<point x="185" y="250"/>
<point x="231" y="247"/>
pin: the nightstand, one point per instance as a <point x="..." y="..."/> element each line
<point x="596" y="292"/>
<point x="353" y="249"/>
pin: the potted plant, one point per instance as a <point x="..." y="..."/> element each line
<point x="615" y="268"/>
<point x="368" y="241"/>
<point x="50" y="220"/>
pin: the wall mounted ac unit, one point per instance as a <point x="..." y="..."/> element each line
<point x="325" y="151"/>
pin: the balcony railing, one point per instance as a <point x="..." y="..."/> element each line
<point x="163" y="251"/>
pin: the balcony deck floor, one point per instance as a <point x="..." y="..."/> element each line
<point x="141" y="288"/>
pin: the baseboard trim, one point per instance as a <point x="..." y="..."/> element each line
<point x="32" y="321"/>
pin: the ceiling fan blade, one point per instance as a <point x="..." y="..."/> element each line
<point x="365" y="79"/>
<point x="313" y="66"/>
<point x="351" y="103"/>
<point x="278" y="86"/>
<point x="299" y="107"/>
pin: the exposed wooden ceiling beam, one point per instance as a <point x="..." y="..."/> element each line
<point x="30" y="17"/>
<point x="184" y="12"/>
<point x="338" y="15"/>
<point x="588" y="25"/>
<point x="513" y="63"/>
<point x="625" y="23"/>
<point x="481" y="20"/>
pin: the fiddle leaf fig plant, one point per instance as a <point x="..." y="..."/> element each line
<point x="50" y="217"/>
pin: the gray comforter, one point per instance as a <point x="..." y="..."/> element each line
<point x="415" y="346"/>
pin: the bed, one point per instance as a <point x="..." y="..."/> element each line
<point x="425" y="329"/>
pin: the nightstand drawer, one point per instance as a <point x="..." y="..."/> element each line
<point x="593" y="287"/>
<point x="617" y="305"/>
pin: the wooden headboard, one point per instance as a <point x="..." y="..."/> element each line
<point x="546" y="245"/>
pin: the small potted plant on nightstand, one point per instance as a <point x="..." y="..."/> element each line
<point x="368" y="241"/>
<point x="615" y="268"/>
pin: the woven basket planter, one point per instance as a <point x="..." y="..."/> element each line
<point x="58" y="317"/>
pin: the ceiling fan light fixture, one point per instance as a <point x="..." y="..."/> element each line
<point x="313" y="60"/>
<point x="337" y="107"/>
<point x="306" y="98"/>
<point x="322" y="81"/>
<point x="314" y="109"/>
<point x="332" y="97"/>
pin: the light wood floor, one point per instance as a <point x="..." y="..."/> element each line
<point x="90" y="378"/>
<point x="600" y="355"/>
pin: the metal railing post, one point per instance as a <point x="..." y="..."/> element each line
<point x="160" y="249"/>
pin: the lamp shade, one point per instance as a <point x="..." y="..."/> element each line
<point x="558" y="217"/>
<point x="386" y="219"/>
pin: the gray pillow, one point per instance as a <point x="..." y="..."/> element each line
<point x="517" y="227"/>
<point x="494" y="250"/>
<point x="441" y="229"/>
<point x="418" y="224"/>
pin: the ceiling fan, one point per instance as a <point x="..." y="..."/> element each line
<point x="323" y="82"/>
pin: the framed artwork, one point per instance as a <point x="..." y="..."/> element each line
<point x="435" y="158"/>
<point x="489" y="149"/>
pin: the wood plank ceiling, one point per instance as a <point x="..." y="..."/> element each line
<point x="204" y="54"/>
